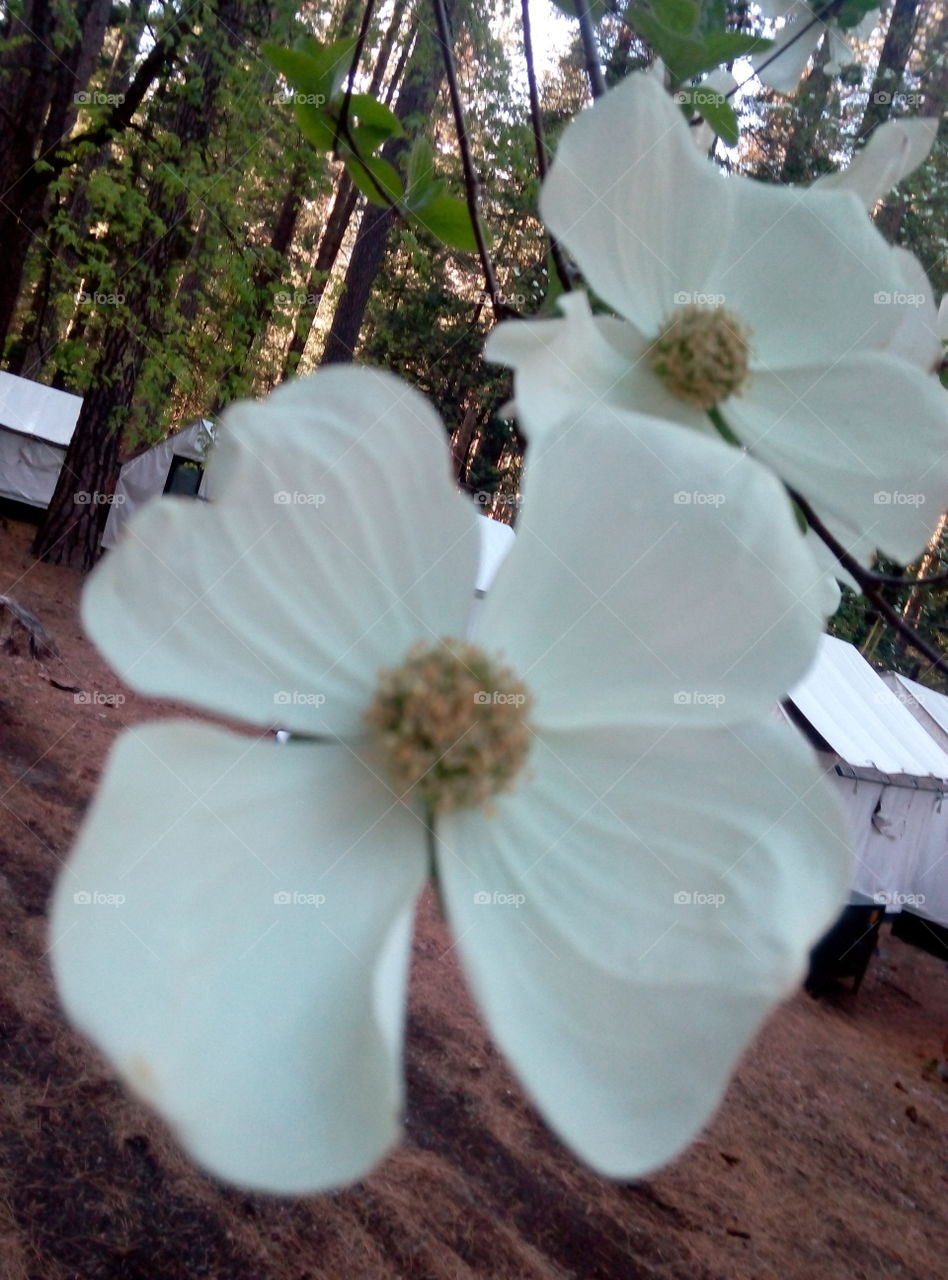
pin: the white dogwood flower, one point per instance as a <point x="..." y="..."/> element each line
<point x="780" y="310"/>
<point x="657" y="854"/>
<point x="781" y="67"/>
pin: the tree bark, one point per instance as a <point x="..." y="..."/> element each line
<point x="423" y="80"/>
<point x="72" y="530"/>
<point x="343" y="207"/>
<point x="887" y="81"/>
<point x="40" y="84"/>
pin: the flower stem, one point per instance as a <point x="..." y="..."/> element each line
<point x="722" y="427"/>
<point x="432" y="842"/>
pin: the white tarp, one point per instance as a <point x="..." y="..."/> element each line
<point x="860" y="717"/>
<point x="928" y="707"/>
<point x="144" y="477"/>
<point x="36" y="425"/>
<point x="33" y="409"/>
<point x="29" y="468"/>
<point x="898" y="818"/>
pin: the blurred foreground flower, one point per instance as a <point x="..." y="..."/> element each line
<point x="781" y="67"/>
<point x="778" y="311"/>
<point x="642" y="888"/>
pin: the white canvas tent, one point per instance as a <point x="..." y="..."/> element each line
<point x="891" y="777"/>
<point x="150" y="472"/>
<point x="36" y="425"/>
<point x="930" y="710"/>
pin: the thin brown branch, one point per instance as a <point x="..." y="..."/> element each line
<point x="471" y="186"/>
<point x="350" y="79"/>
<point x="536" y="118"/>
<point x="869" y="587"/>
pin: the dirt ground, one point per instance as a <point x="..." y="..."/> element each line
<point x="827" y="1161"/>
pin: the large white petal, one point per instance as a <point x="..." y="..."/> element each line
<point x="571" y="366"/>
<point x="232" y="931"/>
<point x="335" y="540"/>
<point x="641" y="212"/>
<point x="781" y="66"/>
<point x="623" y="1008"/>
<point x="656" y="574"/>
<point x="916" y="339"/>
<point x="865" y="441"/>
<point x="895" y="150"/>
<point x="804" y="270"/>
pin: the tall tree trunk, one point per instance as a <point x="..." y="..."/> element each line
<point x="887" y="81"/>
<point x="811" y="102"/>
<point x="41" y="80"/>
<point x="71" y="531"/>
<point x="423" y="80"/>
<point x="343" y="205"/>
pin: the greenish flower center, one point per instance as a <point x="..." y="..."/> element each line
<point x="451" y="725"/>
<point x="701" y="355"/>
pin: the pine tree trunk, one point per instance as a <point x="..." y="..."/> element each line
<point x="343" y="206"/>
<point x="422" y="83"/>
<point x="72" y="529"/>
<point x="76" y="516"/>
<point x="889" y="74"/>
<point x="40" y="82"/>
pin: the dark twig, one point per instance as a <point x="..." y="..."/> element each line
<point x="869" y="586"/>
<point x="899" y="580"/>
<point x="536" y="117"/>
<point x="470" y="176"/>
<point x="587" y="33"/>
<point x="825" y="11"/>
<point x="350" y="79"/>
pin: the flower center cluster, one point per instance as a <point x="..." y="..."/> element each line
<point x="701" y="355"/>
<point x="451" y="725"/>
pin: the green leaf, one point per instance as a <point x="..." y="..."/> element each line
<point x="316" y="125"/>
<point x="299" y="69"/>
<point x="420" y="175"/>
<point x="853" y="12"/>
<point x="364" y="108"/>
<point x="714" y="108"/>
<point x="687" y="57"/>
<point x="448" y="219"/>
<point x="726" y="45"/>
<point x="677" y="15"/>
<point x="333" y="60"/>
<point x="376" y="179"/>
